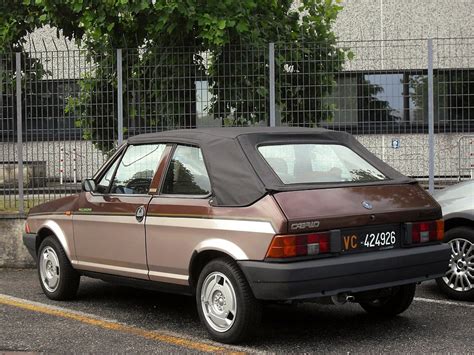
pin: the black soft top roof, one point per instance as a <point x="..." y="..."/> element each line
<point x="240" y="176"/>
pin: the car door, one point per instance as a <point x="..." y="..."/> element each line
<point x="109" y="232"/>
<point x="170" y="234"/>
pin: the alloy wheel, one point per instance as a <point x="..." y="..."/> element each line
<point x="49" y="269"/>
<point x="218" y="301"/>
<point x="460" y="274"/>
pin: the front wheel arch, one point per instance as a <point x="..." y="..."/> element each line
<point x="42" y="234"/>
<point x="51" y="228"/>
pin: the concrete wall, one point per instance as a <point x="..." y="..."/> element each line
<point x="395" y="19"/>
<point x="12" y="251"/>
<point x="411" y="158"/>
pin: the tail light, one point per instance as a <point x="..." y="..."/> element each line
<point x="289" y="246"/>
<point x="424" y="232"/>
<point x="27" y="228"/>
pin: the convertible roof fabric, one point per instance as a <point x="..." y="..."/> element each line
<point x="240" y="176"/>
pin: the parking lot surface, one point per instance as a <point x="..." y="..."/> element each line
<point x="111" y="318"/>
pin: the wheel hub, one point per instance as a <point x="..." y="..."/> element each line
<point x="461" y="265"/>
<point x="219" y="300"/>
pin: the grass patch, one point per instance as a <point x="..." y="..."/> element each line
<point x="9" y="204"/>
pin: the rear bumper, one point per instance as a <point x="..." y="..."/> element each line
<point x="29" y="239"/>
<point x="349" y="273"/>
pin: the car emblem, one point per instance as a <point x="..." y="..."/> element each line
<point x="140" y="213"/>
<point x="367" y="205"/>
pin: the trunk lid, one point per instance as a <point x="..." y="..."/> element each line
<point x="344" y="207"/>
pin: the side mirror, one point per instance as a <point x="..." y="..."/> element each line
<point x="88" y="185"/>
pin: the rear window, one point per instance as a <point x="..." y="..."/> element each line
<point x="318" y="163"/>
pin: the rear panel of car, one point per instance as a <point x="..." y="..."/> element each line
<point x="344" y="207"/>
<point x="178" y="227"/>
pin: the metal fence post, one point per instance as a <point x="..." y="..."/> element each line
<point x="271" y="59"/>
<point x="430" y="117"/>
<point x="119" y="98"/>
<point x="19" y="134"/>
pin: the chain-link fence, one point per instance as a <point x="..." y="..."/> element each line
<point x="411" y="102"/>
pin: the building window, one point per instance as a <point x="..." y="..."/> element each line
<point x="342" y="105"/>
<point x="397" y="102"/>
<point x="381" y="98"/>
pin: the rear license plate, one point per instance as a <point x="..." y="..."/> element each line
<point x="371" y="238"/>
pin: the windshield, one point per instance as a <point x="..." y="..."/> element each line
<point x="318" y="163"/>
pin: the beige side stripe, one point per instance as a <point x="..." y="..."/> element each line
<point x="211" y="223"/>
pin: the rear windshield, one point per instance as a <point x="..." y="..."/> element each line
<point x="318" y="163"/>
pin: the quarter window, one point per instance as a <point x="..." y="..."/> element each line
<point x="187" y="174"/>
<point x="137" y="168"/>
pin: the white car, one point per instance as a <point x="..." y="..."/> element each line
<point x="457" y="203"/>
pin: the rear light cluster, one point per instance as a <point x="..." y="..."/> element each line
<point x="289" y="246"/>
<point x="424" y="232"/>
<point x="27" y="228"/>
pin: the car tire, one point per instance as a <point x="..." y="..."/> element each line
<point x="58" y="279"/>
<point x="389" y="306"/>
<point x="225" y="302"/>
<point x="460" y="266"/>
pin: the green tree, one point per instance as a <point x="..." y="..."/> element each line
<point x="171" y="44"/>
<point x="16" y="21"/>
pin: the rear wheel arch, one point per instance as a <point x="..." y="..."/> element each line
<point x="210" y="249"/>
<point x="199" y="260"/>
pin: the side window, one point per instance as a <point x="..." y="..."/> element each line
<point x="136" y="169"/>
<point x="104" y="183"/>
<point x="187" y="174"/>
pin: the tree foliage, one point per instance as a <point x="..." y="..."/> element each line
<point x="172" y="44"/>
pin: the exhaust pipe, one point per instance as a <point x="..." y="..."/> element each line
<point x="342" y="298"/>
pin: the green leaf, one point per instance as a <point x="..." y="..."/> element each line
<point x="242" y="27"/>
<point x="262" y="91"/>
<point x="77" y="7"/>
<point x="221" y="24"/>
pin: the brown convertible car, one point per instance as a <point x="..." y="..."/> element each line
<point x="243" y="216"/>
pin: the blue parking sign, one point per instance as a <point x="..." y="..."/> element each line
<point x="395" y="143"/>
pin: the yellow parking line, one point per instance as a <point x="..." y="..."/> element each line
<point x="107" y="324"/>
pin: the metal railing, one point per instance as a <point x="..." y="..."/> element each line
<point x="410" y="104"/>
<point x="466" y="157"/>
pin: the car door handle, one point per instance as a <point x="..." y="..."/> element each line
<point x="140" y="213"/>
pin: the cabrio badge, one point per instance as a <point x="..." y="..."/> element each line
<point x="367" y="205"/>
<point x="305" y="225"/>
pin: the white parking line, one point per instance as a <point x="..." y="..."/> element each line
<point x="449" y="303"/>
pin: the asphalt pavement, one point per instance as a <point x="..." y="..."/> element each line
<point x="107" y="318"/>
